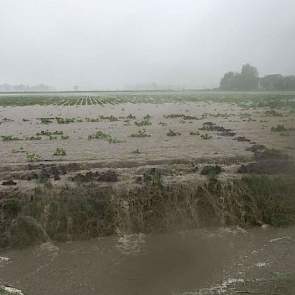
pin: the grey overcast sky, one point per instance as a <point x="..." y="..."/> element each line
<point x="112" y="44"/>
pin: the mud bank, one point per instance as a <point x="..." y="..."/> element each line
<point x="89" y="210"/>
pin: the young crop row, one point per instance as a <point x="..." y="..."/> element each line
<point x="245" y="100"/>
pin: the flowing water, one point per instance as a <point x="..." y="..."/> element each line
<point x="215" y="261"/>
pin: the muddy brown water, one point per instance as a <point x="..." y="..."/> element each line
<point x="195" y="262"/>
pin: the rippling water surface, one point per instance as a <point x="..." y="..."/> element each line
<point x="218" y="261"/>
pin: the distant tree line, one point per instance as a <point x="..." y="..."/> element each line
<point x="278" y="82"/>
<point x="249" y="80"/>
<point x="21" y="87"/>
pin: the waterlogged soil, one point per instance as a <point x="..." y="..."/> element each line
<point x="254" y="125"/>
<point x="215" y="261"/>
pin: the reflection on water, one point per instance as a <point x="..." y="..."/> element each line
<point x="197" y="262"/>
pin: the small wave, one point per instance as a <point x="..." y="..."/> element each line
<point x="4" y="259"/>
<point x="9" y="290"/>
<point x="131" y="244"/>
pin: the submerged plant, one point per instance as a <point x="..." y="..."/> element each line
<point x="59" y="152"/>
<point x="206" y="136"/>
<point x="110" y="118"/>
<point x="92" y="120"/>
<point x="10" y="138"/>
<point x="48" y="133"/>
<point x="33" y="157"/>
<point x="46" y="121"/>
<point x="103" y="136"/>
<point x="145" y="122"/>
<point x="34" y="138"/>
<point x="194" y="133"/>
<point x="273" y="113"/>
<point x="141" y="133"/>
<point x="20" y="150"/>
<point x="173" y="133"/>
<point x="137" y="151"/>
<point x="60" y="120"/>
<point x="131" y="117"/>
<point x="181" y="116"/>
<point x="279" y="128"/>
<point x="65" y="137"/>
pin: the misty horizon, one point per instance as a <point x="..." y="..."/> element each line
<point x="109" y="45"/>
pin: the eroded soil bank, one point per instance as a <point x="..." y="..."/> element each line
<point x="86" y="210"/>
<point x="221" y="227"/>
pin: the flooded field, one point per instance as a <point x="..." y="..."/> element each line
<point x="147" y="147"/>
<point x="171" y="193"/>
<point x="34" y="132"/>
<point x="201" y="262"/>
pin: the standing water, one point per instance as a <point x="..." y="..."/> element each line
<point x="217" y="261"/>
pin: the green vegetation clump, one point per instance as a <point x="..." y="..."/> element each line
<point x="52" y="135"/>
<point x="137" y="151"/>
<point x="92" y="120"/>
<point x="59" y="152"/>
<point x="173" y="133"/>
<point x="144" y="122"/>
<point x="103" y="136"/>
<point x="181" y="116"/>
<point x="141" y="133"/>
<point x="174" y="116"/>
<point x="279" y="128"/>
<point x="210" y="126"/>
<point x="273" y="113"/>
<point x="65" y="137"/>
<point x="131" y="117"/>
<point x="49" y="133"/>
<point x="60" y="120"/>
<point x="153" y="177"/>
<point x="163" y="123"/>
<point x="34" y="138"/>
<point x="211" y="171"/>
<point x="10" y="138"/>
<point x="46" y="121"/>
<point x="110" y="118"/>
<point x="18" y="151"/>
<point x="105" y="176"/>
<point x="206" y="136"/>
<point x="32" y="157"/>
<point x="194" y="133"/>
